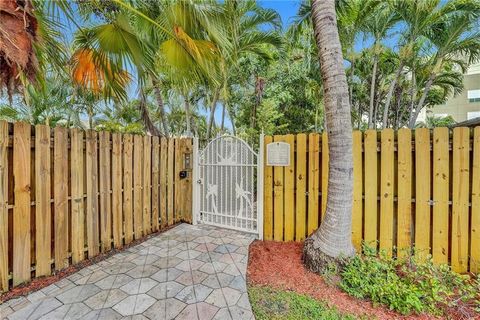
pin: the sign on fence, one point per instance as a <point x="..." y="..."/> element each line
<point x="278" y="154"/>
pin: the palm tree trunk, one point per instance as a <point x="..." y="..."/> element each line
<point x="372" y="92"/>
<point x="212" y="112"/>
<point x="187" y="115"/>
<point x="231" y="116"/>
<point x="259" y="88"/>
<point x="160" y="105"/>
<point x="421" y="102"/>
<point x="222" y="126"/>
<point x="390" y="94"/>
<point x="333" y="239"/>
<point x="352" y="74"/>
<point x="90" y="117"/>
<point x="147" y="122"/>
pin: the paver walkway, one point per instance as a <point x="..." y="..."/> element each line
<point x="188" y="272"/>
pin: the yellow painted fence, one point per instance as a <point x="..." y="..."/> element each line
<point x="67" y="195"/>
<point x="412" y="189"/>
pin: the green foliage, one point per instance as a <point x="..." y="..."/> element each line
<point x="407" y="286"/>
<point x="434" y="122"/>
<point x="269" y="304"/>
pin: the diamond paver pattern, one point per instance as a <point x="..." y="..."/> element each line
<point x="188" y="272"/>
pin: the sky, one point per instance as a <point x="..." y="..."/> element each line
<point x="286" y="8"/>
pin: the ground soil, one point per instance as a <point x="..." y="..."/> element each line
<point x="40" y="283"/>
<point x="279" y="265"/>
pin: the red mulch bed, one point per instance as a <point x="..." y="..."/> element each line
<point x="279" y="265"/>
<point x="42" y="282"/>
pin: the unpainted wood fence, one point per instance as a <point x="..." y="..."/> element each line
<point x="67" y="195"/>
<point x="412" y="189"/>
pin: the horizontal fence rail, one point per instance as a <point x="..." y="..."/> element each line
<point x="67" y="195"/>
<point x="412" y="189"/>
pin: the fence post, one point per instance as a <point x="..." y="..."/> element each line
<point x="261" y="151"/>
<point x="195" y="195"/>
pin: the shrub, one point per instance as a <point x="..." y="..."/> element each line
<point x="408" y="286"/>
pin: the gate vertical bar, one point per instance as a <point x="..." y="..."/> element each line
<point x="260" y="161"/>
<point x="196" y="184"/>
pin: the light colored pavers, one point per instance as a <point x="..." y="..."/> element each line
<point x="188" y="272"/>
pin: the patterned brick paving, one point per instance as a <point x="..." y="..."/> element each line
<point x="188" y="272"/>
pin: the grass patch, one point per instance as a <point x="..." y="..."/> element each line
<point x="268" y="303"/>
<point x="410" y="286"/>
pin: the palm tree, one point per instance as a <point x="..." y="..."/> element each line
<point x="333" y="239"/>
<point x="422" y="19"/>
<point x="50" y="102"/>
<point x="29" y="42"/>
<point x="188" y="54"/>
<point x="352" y="16"/>
<point x="245" y="24"/>
<point x="378" y="25"/>
<point x="454" y="38"/>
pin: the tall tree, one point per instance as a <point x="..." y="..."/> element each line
<point x="378" y="25"/>
<point x="245" y="25"/>
<point x="453" y="37"/>
<point x="333" y="239"/>
<point x="421" y="19"/>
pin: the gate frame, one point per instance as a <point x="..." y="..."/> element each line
<point x="259" y="197"/>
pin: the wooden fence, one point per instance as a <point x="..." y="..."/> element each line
<point x="67" y="195"/>
<point x="411" y="189"/>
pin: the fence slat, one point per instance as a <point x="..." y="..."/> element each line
<point x="170" y="181"/>
<point x="325" y="159"/>
<point x="117" y="220"/>
<point x="371" y="187"/>
<point x="301" y="183"/>
<point x="357" y="210"/>
<point x="278" y="198"/>
<point x="78" y="214"/>
<point x="441" y="192"/>
<point x="155" y="182"/>
<point x="460" y="199"/>
<point x="43" y="215"/>
<point x="386" y="186"/>
<point x="313" y="182"/>
<point x="21" y="210"/>
<point x="137" y="185"/>
<point x="163" y="182"/>
<point x="475" y="226"/>
<point x="147" y="181"/>
<point x="404" y="214"/>
<point x="60" y="195"/>
<point x="3" y="206"/>
<point x="268" y="197"/>
<point x="422" y="192"/>
<point x="93" y="236"/>
<point x="128" y="187"/>
<point x="105" y="187"/>
<point x="289" y="180"/>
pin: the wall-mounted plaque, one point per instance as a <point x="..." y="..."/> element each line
<point x="278" y="154"/>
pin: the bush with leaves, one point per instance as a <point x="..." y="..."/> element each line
<point x="408" y="286"/>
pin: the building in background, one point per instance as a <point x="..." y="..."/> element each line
<point x="466" y="105"/>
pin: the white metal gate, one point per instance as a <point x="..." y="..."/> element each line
<point x="226" y="172"/>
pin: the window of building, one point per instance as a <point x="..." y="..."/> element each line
<point x="473" y="95"/>
<point x="473" y="115"/>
